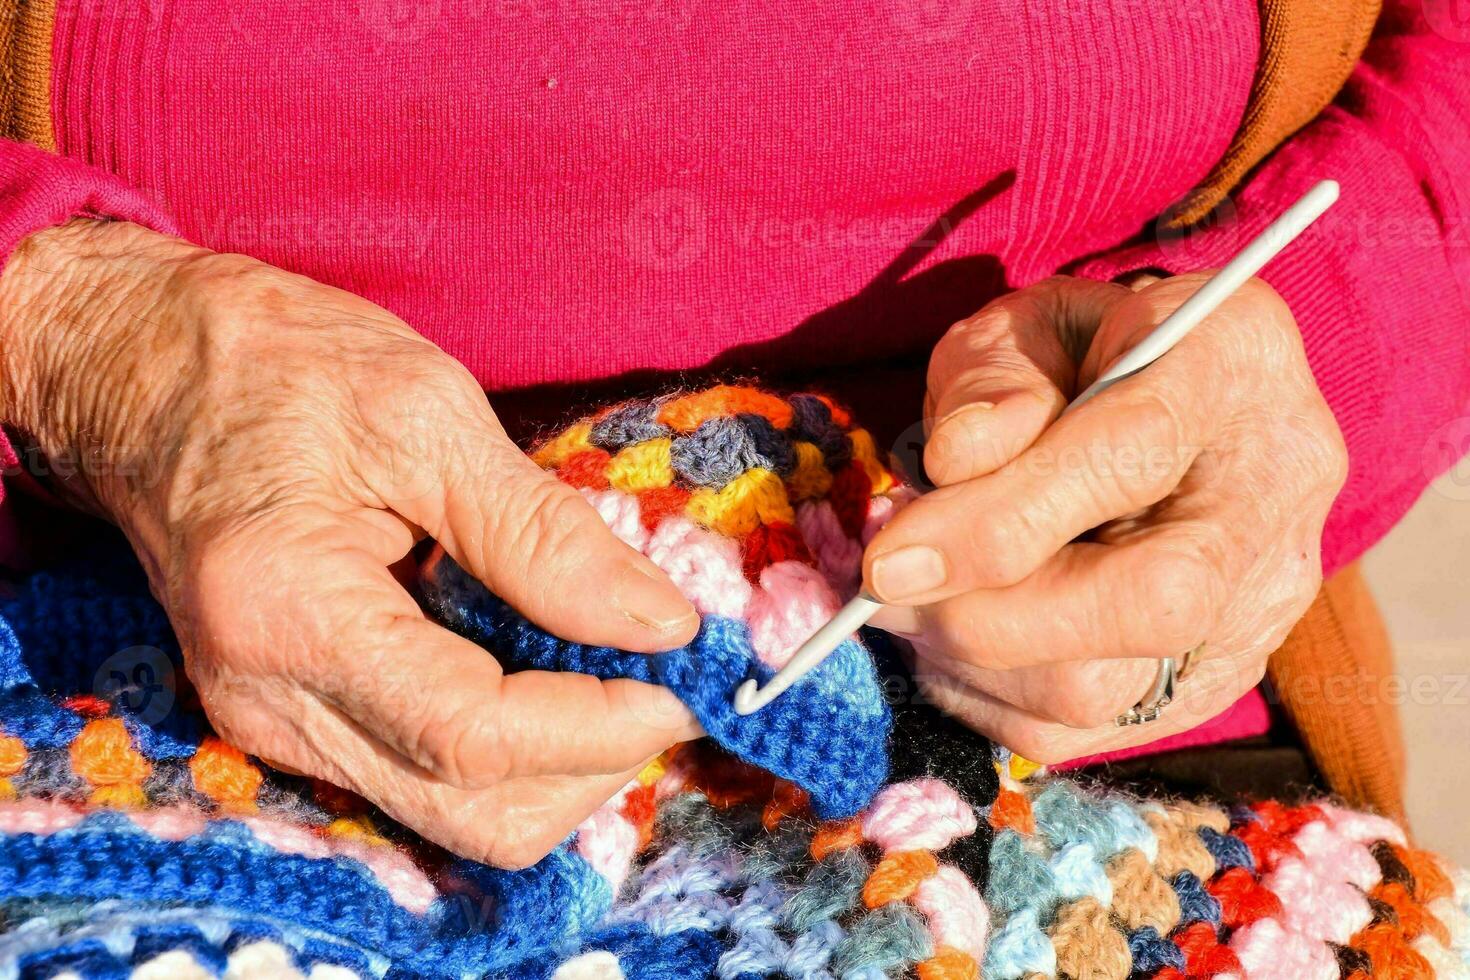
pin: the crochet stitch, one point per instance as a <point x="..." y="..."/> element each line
<point x="134" y="842"/>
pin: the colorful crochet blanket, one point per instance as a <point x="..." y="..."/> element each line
<point x="848" y="831"/>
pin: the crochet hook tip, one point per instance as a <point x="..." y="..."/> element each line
<point x="748" y="699"/>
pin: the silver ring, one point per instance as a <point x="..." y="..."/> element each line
<point x="1158" y="696"/>
<point x="1155" y="700"/>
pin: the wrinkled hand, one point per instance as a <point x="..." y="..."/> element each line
<point x="272" y="447"/>
<point x="1060" y="557"/>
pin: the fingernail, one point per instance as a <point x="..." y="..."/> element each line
<point x="908" y="571"/>
<point x="650" y="602"/>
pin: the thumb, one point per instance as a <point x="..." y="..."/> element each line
<point x="998" y="379"/>
<point x="539" y="545"/>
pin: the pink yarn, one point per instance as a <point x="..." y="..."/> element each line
<point x="956" y="913"/>
<point x="794" y="601"/>
<point x="922" y="814"/>
<point x="620" y="512"/>
<point x="170" y="822"/>
<point x="839" y="557"/>
<point x="608" y="842"/>
<point x="1269" y="952"/>
<point x="1331" y="854"/>
<point x="33" y="816"/>
<point x="705" y="566"/>
<point x="1363" y="827"/>
<point x="1320" y="906"/>
<point x="882" y="509"/>
<point x="393" y="869"/>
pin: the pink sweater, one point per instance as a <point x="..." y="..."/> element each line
<point x="567" y="192"/>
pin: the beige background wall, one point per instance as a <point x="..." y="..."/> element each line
<point x="1420" y="575"/>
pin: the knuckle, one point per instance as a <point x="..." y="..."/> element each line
<point x="1174" y="600"/>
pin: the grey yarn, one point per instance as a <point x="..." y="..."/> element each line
<point x="833" y="887"/>
<point x="886" y="938"/>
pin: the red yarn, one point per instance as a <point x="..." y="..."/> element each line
<point x="1267" y="847"/>
<point x="1203" y="954"/>
<point x="639" y="808"/>
<point x="654" y="505"/>
<point x="1242" y="899"/>
<point x="849" y="496"/>
<point x="1286" y="820"/>
<point x="770" y="543"/>
<point x="587" y="468"/>
<point x="88" y="705"/>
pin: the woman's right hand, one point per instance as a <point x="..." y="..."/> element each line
<point x="271" y="447"/>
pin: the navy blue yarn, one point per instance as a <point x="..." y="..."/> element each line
<point x="627" y="425"/>
<point x="1228" y="851"/>
<point x="1151" y="952"/>
<point x="827" y="734"/>
<point x="1195" y="903"/>
<point x="772" y="448"/>
<point x="811" y="421"/>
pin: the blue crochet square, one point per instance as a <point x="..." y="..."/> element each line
<point x="828" y="734"/>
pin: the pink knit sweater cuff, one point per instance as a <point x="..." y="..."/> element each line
<point x="40" y="190"/>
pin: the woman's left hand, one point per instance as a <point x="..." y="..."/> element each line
<point x="1060" y="558"/>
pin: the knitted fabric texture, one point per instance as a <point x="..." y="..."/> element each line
<point x="758" y="508"/>
<point x="134" y="842"/>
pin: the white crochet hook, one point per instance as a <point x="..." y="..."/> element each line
<point x="751" y="697"/>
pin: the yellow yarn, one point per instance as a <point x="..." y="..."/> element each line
<point x="811" y="479"/>
<point x="643" y="466"/>
<point x="555" y="452"/>
<point x="753" y="498"/>
<point x="865" y="451"/>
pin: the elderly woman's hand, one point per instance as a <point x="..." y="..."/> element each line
<point x="1059" y="558"/>
<point x="273" y="447"/>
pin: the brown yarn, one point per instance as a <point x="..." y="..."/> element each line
<point x="1330" y="675"/>
<point x="1308" y="49"/>
<point x="1087" y="945"/>
<point x="25" y="75"/>
<point x="1140" y="897"/>
<point x="1180" y="848"/>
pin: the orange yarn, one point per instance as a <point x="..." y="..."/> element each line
<point x="786" y="799"/>
<point x="689" y="412"/>
<point x="836" y="836"/>
<point x="1430" y="881"/>
<point x="12" y="755"/>
<point x="949" y="963"/>
<point x="104" y="756"/>
<point x="1392" y="956"/>
<point x="1414" y="919"/>
<point x="898" y="876"/>
<point x="1012" y="811"/>
<point x="222" y="773"/>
